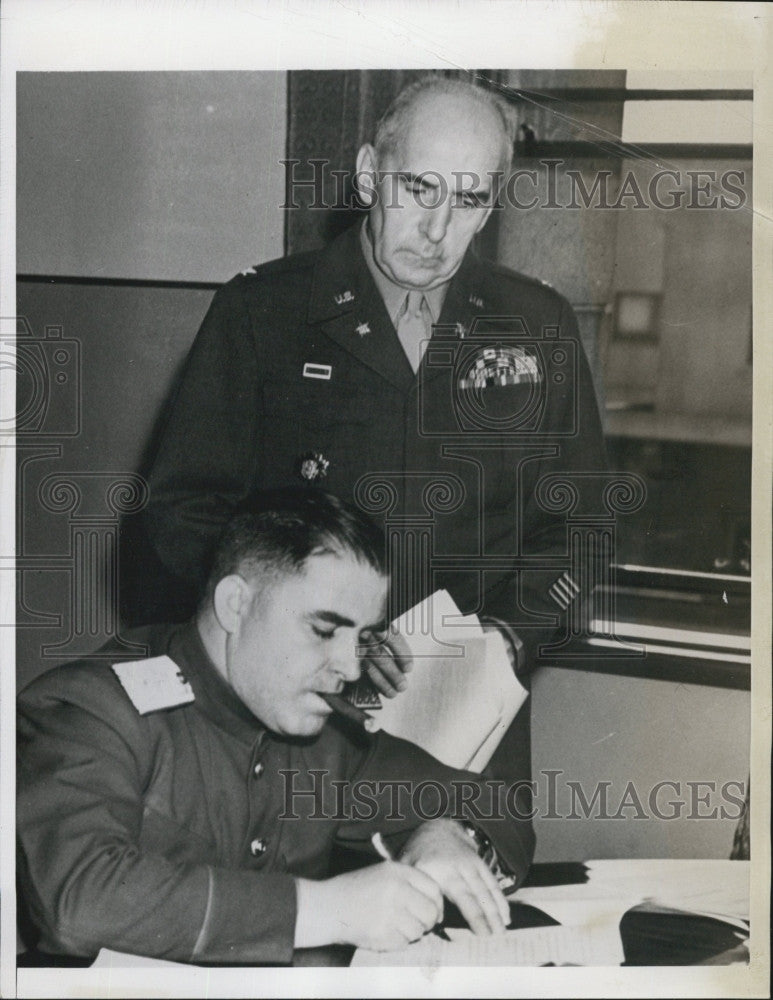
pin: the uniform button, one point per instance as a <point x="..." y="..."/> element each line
<point x="258" y="846"/>
<point x="259" y="768"/>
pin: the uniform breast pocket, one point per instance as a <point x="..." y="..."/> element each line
<point x="315" y="431"/>
<point x="508" y="409"/>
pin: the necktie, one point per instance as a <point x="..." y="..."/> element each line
<point x="413" y="327"/>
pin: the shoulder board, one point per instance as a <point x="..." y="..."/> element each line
<point x="153" y="684"/>
<point x="291" y="264"/>
<point x="502" y="271"/>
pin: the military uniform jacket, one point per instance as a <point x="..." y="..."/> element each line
<point x="299" y="358"/>
<point x="160" y="834"/>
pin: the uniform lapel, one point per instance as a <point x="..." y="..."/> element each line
<point x="347" y="306"/>
<point x="465" y="300"/>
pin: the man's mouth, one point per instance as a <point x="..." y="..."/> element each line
<point x="321" y="707"/>
<point x="320" y="694"/>
<point x="425" y="258"/>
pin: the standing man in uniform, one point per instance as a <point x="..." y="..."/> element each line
<point x="320" y="367"/>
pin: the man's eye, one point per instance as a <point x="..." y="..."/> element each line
<point x="426" y="196"/>
<point x="323" y="633"/>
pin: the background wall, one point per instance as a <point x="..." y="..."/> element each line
<point x="600" y="728"/>
<point x="146" y="190"/>
<point x="164" y="176"/>
<point x="699" y="262"/>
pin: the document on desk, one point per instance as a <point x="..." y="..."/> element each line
<point x="462" y="681"/>
<point x="714" y="885"/>
<point x="109" y="959"/>
<point x="533" y="946"/>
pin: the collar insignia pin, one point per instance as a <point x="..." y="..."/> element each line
<point x="476" y="300"/>
<point x="362" y="329"/>
<point x="344" y="297"/>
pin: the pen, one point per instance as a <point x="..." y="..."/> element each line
<point x="383" y="852"/>
<point x="351" y="712"/>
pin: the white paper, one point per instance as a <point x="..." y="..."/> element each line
<point x="532" y="946"/>
<point x="706" y="886"/>
<point x="462" y="693"/>
<point x="109" y="959"/>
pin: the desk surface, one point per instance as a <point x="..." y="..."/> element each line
<point x="668" y="909"/>
<point x="575" y="898"/>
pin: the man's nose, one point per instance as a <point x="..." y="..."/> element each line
<point x="436" y="220"/>
<point x="345" y="661"/>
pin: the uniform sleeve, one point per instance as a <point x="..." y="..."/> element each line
<point x="205" y="460"/>
<point x="398" y="786"/>
<point x="85" y="880"/>
<point x="571" y="439"/>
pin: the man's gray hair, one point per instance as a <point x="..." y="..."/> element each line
<point x="394" y="123"/>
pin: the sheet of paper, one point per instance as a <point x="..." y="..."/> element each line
<point x="108" y="959"/>
<point x="533" y="946"/>
<point x="715" y="886"/>
<point x="462" y="681"/>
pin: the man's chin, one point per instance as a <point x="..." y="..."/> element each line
<point x="309" y="725"/>
<point x="422" y="275"/>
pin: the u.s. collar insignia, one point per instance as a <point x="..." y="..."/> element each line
<point x="477" y="301"/>
<point x="313" y="466"/>
<point x="362" y="329"/>
<point x="500" y="365"/>
<point x="343" y="297"/>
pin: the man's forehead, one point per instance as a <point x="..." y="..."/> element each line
<point x="460" y="142"/>
<point x="340" y="571"/>
<point x="343" y="588"/>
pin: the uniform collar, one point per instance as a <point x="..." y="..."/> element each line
<point x="213" y="696"/>
<point x="341" y="283"/>
<point x="393" y="294"/>
<point x="347" y="304"/>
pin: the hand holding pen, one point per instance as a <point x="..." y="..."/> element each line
<point x="441" y="849"/>
<point x="383" y="852"/>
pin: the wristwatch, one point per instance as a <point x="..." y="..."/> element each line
<point x="488" y="854"/>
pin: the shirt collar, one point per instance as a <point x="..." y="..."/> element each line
<point x="212" y="694"/>
<point x="392" y="294"/>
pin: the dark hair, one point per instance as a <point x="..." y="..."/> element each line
<point x="275" y="531"/>
<point x="393" y="125"/>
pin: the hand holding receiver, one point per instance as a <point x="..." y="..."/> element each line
<point x="382" y="907"/>
<point x="387" y="662"/>
<point x="442" y="850"/>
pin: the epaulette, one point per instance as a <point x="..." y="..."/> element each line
<point x="290" y="264"/>
<point x="154" y="684"/>
<point x="502" y="271"/>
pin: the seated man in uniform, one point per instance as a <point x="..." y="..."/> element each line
<point x="186" y="806"/>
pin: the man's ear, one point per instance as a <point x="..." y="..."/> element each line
<point x="230" y="601"/>
<point x="367" y="174"/>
